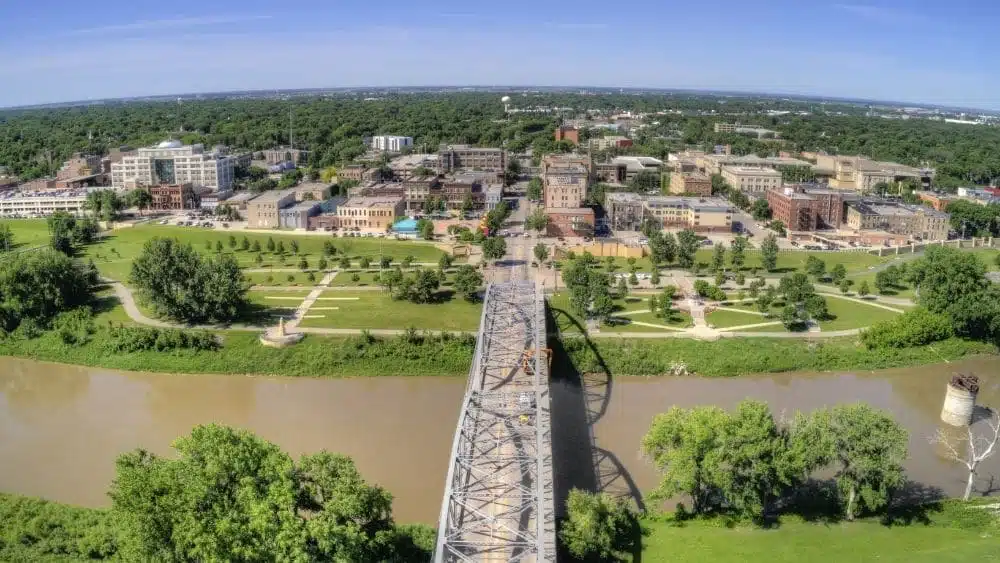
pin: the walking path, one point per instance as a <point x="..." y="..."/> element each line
<point x="310" y="300"/>
<point x="865" y="302"/>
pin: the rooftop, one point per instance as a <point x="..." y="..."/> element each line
<point x="242" y="196"/>
<point x="301" y="206"/>
<point x="372" y="201"/>
<point x="888" y="208"/>
<point x="751" y="171"/>
<point x="568" y="210"/>
<point x="273" y="196"/>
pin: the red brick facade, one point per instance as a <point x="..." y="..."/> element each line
<point x="807" y="210"/>
<point x="568" y="133"/>
<point x="570" y="222"/>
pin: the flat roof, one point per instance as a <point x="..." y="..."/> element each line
<point x="273" y="196"/>
<point x="301" y="206"/>
<point x="568" y="210"/>
<point x="242" y="196"/>
<point x="372" y="201"/>
<point x="750" y="170"/>
<point x="896" y="209"/>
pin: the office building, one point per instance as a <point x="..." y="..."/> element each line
<point x="713" y="163"/>
<point x="808" y="207"/>
<point x="565" y="180"/>
<point x="277" y="155"/>
<point x="611" y="142"/>
<point x="935" y="200"/>
<point x="173" y="197"/>
<point x="691" y="183"/>
<point x="863" y="174"/>
<point x="454" y="157"/>
<point x="635" y="165"/>
<point x="752" y="181"/>
<point x="80" y="168"/>
<point x="627" y="211"/>
<point x="312" y="191"/>
<point x="263" y="210"/>
<point x="915" y="221"/>
<point x="370" y="213"/>
<point x="457" y="189"/>
<point x="351" y="172"/>
<point x="173" y="163"/>
<point x="391" y="143"/>
<point x="570" y="222"/>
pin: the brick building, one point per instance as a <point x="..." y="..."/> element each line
<point x="351" y="172"/>
<point x="570" y="222"/>
<point x="370" y="213"/>
<point x="173" y="197"/>
<point x="690" y="184"/>
<point x="803" y="208"/>
<point x="571" y="134"/>
<point x="565" y="179"/>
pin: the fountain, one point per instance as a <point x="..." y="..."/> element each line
<point x="278" y="337"/>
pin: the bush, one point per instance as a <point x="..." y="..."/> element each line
<point x="915" y="327"/>
<point x="598" y="527"/>
<point x="75" y="327"/>
<point x="125" y="339"/>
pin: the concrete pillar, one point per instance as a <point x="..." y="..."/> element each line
<point x="960" y="401"/>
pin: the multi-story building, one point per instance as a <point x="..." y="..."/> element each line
<point x="173" y="163"/>
<point x="239" y="201"/>
<point x="570" y="222"/>
<point x="461" y="187"/>
<point x="610" y="172"/>
<point x="808" y="207"/>
<point x="171" y="197"/>
<point x="278" y="155"/>
<point x="627" y="211"/>
<point x="312" y="191"/>
<point x="752" y="181"/>
<point x="635" y="165"/>
<point x="937" y="201"/>
<point x="691" y="183"/>
<point x="915" y="221"/>
<point x="79" y="166"/>
<point x="414" y="165"/>
<point x="45" y="202"/>
<point x="453" y="157"/>
<point x="863" y="174"/>
<point x="297" y="216"/>
<point x="494" y="195"/>
<point x="713" y="163"/>
<point x="263" y="211"/>
<point x="212" y="200"/>
<point x="391" y="143"/>
<point x="370" y="213"/>
<point x="351" y="172"/>
<point x="565" y="180"/>
<point x="759" y="132"/>
<point x="614" y="141"/>
<point x="571" y="134"/>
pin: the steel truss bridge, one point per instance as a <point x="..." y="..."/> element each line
<point x="498" y="500"/>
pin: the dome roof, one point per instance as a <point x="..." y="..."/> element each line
<point x="170" y="145"/>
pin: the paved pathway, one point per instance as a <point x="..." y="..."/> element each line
<point x="863" y="301"/>
<point x="310" y="300"/>
<point x="742" y="327"/>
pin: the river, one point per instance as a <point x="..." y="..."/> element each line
<point x="61" y="427"/>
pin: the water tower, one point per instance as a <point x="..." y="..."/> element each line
<point x="506" y="103"/>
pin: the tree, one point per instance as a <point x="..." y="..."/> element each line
<point x="468" y="282"/>
<point x="104" y="204"/>
<point x="270" y="244"/>
<point x="881" y="282"/>
<point x="322" y="264"/>
<point x="760" y="210"/>
<point x="537" y="220"/>
<point x="36" y="286"/>
<point x="467" y="204"/>
<point x="654" y="305"/>
<point x="778" y="227"/>
<point x="599" y="528"/>
<point x="426" y="229"/>
<point x="654" y="278"/>
<point x="720" y="278"/>
<point x="329" y="249"/>
<point x="663" y="247"/>
<point x="344" y="262"/>
<point x="244" y="244"/>
<point x="255" y="247"/>
<point x="737" y="252"/>
<point x="311" y="277"/>
<point x="915" y="327"/>
<point x="535" y="189"/>
<point x="407" y="260"/>
<point x="140" y="199"/>
<point x="494" y="248"/>
<point x="281" y="247"/>
<point x="866" y="448"/>
<point x="181" y="284"/>
<point x="303" y="264"/>
<point x="512" y="173"/>
<point x="687" y="246"/>
<point x="6" y="238"/>
<point x="769" y="253"/>
<point x="633" y="280"/>
<point x="765" y="299"/>
<point x="863" y="289"/>
<point x="621" y="288"/>
<point x="218" y="246"/>
<point x="496" y="217"/>
<point x="645" y="181"/>
<point x="718" y="257"/>
<point x="845" y="286"/>
<point x="420" y="288"/>
<point x="541" y="252"/>
<point x="740" y="279"/>
<point x="838" y="273"/>
<point x="680" y="443"/>
<point x="390" y="279"/>
<point x="62" y="228"/>
<point x="294" y="245"/>
<point x="815" y="267"/>
<point x="232" y="242"/>
<point x="231" y="496"/>
<point x="751" y="464"/>
<point x="444" y="262"/>
<point x="973" y="448"/>
<point x="365" y="262"/>
<point x="258" y="260"/>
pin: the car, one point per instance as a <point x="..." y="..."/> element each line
<point x="706" y="242"/>
<point x="164" y="222"/>
<point x="225" y="225"/>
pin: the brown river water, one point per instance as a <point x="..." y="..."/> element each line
<point x="61" y="427"/>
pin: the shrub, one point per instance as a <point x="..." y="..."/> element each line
<point x="915" y="327"/>
<point x="125" y="339"/>
<point x="75" y="327"/>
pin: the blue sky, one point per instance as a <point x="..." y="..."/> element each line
<point x="907" y="50"/>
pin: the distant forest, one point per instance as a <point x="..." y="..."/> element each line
<point x="34" y="142"/>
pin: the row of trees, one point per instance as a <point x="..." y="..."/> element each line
<point x="68" y="233"/>
<point x="38" y="286"/>
<point x="743" y="463"/>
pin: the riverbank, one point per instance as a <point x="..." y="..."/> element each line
<point x="354" y="356"/>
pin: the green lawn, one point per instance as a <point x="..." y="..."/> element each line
<point x="377" y="310"/>
<point x="300" y="278"/>
<point x="942" y="540"/>
<point x="114" y="254"/>
<point x="367" y="278"/>
<point x="725" y="319"/>
<point x="788" y="260"/>
<point x="851" y="314"/>
<point x="28" y="232"/>
<point x="567" y="322"/>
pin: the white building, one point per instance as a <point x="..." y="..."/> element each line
<point x="47" y="202"/>
<point x="391" y="143"/>
<point x="171" y="162"/>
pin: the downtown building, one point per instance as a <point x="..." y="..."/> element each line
<point x="173" y="163"/>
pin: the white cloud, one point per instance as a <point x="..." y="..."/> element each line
<point x="170" y="23"/>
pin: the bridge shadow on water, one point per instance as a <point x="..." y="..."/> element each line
<point x="578" y="402"/>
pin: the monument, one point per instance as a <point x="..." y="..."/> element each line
<point x="278" y="337"/>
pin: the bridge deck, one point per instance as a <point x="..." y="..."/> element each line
<point x="498" y="502"/>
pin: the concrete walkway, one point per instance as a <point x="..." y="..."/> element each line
<point x="742" y="327"/>
<point x="310" y="300"/>
<point x="864" y="302"/>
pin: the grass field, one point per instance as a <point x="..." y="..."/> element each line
<point x="851" y="314"/>
<point x="28" y="232"/>
<point x="568" y="323"/>
<point x="725" y="319"/>
<point x="373" y="309"/>
<point x="115" y="252"/>
<point x="947" y="536"/>
<point x="788" y="260"/>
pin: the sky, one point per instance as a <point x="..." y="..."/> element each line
<point x="920" y="51"/>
